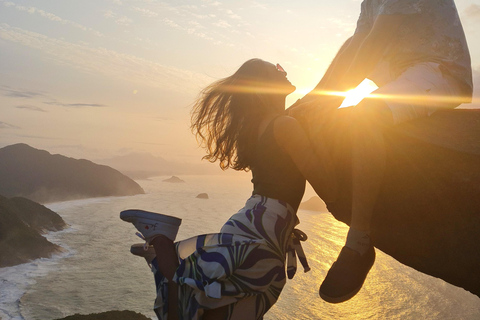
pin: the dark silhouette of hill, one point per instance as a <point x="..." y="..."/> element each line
<point x="109" y="315"/>
<point x="22" y="222"/>
<point x="43" y="177"/>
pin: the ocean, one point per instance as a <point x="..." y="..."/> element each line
<point x="97" y="273"/>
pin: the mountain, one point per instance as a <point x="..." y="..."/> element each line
<point x="140" y="165"/>
<point x="145" y="165"/>
<point x="22" y="222"/>
<point x="43" y="177"/>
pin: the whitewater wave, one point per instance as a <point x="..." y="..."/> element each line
<point x="16" y="280"/>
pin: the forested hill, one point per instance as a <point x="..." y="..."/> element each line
<point x="43" y="177"/>
<point x="22" y="222"/>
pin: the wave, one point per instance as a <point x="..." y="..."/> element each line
<point x="16" y="280"/>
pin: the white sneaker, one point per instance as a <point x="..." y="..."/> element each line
<point x="151" y="224"/>
<point x="138" y="249"/>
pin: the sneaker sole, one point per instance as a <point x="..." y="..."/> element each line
<point x="132" y="215"/>
<point x="352" y="293"/>
<point x="340" y="299"/>
<point x="139" y="250"/>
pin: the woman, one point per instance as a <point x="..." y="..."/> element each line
<point x="240" y="272"/>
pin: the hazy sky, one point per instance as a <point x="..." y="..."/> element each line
<point x="98" y="78"/>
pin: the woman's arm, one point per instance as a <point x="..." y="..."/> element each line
<point x="314" y="162"/>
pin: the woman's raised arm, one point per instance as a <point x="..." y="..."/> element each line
<point x="315" y="163"/>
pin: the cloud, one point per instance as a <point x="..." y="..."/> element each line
<point x="256" y="4"/>
<point x="171" y="23"/>
<point x="109" y="14"/>
<point x="27" y="94"/>
<point x="232" y="15"/>
<point x="74" y="105"/>
<point x="30" y="108"/>
<point x="212" y="3"/>
<point x="51" y="17"/>
<point x="211" y="12"/>
<point x="107" y="62"/>
<point x="146" y="12"/>
<point x="124" y="21"/>
<point x="4" y="125"/>
<point x="19" y="93"/>
<point x="222" y="24"/>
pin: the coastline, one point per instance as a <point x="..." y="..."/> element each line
<point x="17" y="279"/>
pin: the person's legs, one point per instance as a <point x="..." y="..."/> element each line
<point x="418" y="92"/>
<point x="348" y="273"/>
<point x="167" y="264"/>
<point x="160" y="231"/>
<point x="371" y="118"/>
<point x="216" y="314"/>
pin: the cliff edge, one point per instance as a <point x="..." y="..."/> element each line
<point x="427" y="215"/>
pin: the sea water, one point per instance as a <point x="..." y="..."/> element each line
<point x="97" y="273"/>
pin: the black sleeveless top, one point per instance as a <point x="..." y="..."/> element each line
<point x="275" y="175"/>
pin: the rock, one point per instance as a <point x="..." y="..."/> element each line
<point x="174" y="179"/>
<point x="43" y="177"/>
<point x="428" y="211"/>
<point x="21" y="223"/>
<point x="109" y="315"/>
<point x="202" y="196"/>
<point x="314" y="204"/>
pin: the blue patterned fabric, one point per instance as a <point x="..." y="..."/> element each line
<point x="243" y="266"/>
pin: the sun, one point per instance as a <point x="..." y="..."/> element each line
<point x="354" y="96"/>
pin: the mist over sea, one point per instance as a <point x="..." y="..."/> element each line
<point x="97" y="273"/>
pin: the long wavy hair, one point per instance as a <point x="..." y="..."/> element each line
<point x="226" y="116"/>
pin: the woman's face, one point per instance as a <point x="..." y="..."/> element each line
<point x="279" y="81"/>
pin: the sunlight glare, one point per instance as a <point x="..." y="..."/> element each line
<point x="354" y="96"/>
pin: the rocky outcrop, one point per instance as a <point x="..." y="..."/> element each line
<point x="314" y="204"/>
<point x="202" y="196"/>
<point x="22" y="222"/>
<point x="43" y="177"/>
<point x="109" y="315"/>
<point x="428" y="212"/>
<point x="174" y="179"/>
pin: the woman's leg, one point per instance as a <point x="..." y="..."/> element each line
<point x="216" y="314"/>
<point x="167" y="264"/>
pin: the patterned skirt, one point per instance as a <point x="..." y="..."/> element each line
<point x="243" y="266"/>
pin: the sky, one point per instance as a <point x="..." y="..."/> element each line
<point x="101" y="78"/>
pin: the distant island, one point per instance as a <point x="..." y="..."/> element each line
<point x="314" y="204"/>
<point x="22" y="223"/>
<point x="174" y="179"/>
<point x="42" y="177"/>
